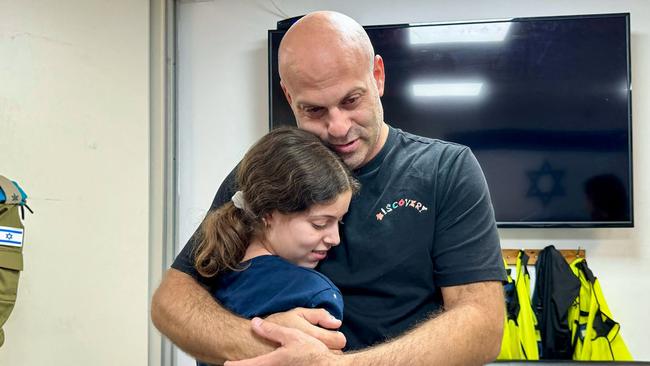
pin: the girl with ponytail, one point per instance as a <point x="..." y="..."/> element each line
<point x="261" y="247"/>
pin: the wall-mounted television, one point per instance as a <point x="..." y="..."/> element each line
<point x="543" y="102"/>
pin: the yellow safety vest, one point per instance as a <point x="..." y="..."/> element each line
<point x="510" y="349"/>
<point x="528" y="330"/>
<point x="596" y="336"/>
<point x="520" y="334"/>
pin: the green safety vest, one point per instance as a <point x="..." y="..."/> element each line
<point x="11" y="257"/>
<point x="520" y="333"/>
<point x="596" y="336"/>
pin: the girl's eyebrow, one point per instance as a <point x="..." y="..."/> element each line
<point x="323" y="216"/>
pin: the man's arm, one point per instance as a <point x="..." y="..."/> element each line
<point x="468" y="332"/>
<point x="190" y="317"/>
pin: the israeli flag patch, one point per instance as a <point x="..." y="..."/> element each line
<point x="11" y="236"/>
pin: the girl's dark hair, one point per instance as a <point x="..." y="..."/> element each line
<point x="287" y="170"/>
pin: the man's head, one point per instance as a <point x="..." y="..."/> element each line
<point x="333" y="81"/>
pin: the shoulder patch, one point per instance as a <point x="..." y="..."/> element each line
<point x="11" y="236"/>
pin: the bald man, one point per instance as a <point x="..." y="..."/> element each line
<point x="419" y="263"/>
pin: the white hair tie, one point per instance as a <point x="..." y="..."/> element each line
<point x="239" y="200"/>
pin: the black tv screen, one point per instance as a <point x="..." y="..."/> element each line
<point x="544" y="103"/>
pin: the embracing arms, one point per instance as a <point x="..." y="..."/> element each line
<point x="468" y="332"/>
<point x="188" y="315"/>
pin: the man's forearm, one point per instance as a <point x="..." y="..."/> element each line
<point x="467" y="334"/>
<point x="188" y="315"/>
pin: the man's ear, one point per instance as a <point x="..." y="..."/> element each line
<point x="286" y="93"/>
<point x="379" y="74"/>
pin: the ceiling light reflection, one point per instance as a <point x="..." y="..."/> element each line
<point x="447" y="89"/>
<point x="452" y="33"/>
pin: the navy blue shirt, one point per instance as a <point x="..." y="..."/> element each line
<point x="270" y="284"/>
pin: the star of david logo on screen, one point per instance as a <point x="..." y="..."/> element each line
<point x="545" y="183"/>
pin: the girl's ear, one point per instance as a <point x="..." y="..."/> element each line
<point x="267" y="220"/>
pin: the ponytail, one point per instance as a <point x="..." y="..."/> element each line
<point x="223" y="238"/>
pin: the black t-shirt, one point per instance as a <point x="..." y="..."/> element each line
<point x="422" y="220"/>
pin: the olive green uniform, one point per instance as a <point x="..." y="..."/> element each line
<point x="11" y="257"/>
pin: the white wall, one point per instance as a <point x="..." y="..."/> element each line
<point x="223" y="109"/>
<point x="74" y="131"/>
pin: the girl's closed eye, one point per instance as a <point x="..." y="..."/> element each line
<point x="319" y="225"/>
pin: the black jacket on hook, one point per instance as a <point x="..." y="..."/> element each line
<point x="556" y="287"/>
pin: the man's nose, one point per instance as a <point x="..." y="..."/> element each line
<point x="339" y="123"/>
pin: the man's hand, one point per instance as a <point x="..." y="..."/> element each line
<point x="317" y="323"/>
<point x="296" y="348"/>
